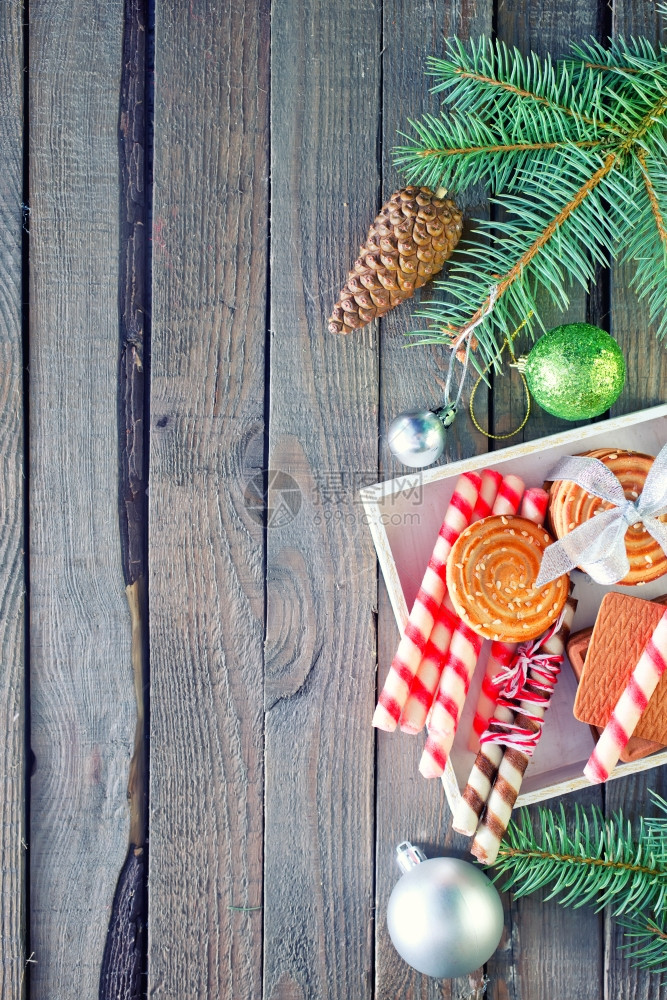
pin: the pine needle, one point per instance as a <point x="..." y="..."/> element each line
<point x="572" y="153"/>
<point x="596" y="861"/>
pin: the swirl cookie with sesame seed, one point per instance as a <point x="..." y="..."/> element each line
<point x="491" y="572"/>
<point x="570" y="505"/>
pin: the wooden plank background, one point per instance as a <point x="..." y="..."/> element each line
<point x="13" y="833"/>
<point x="206" y="554"/>
<point x="321" y="582"/>
<point x="273" y="807"/>
<point x="81" y="698"/>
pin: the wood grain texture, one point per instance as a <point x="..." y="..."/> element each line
<point x="133" y="292"/>
<point x="13" y="836"/>
<point x="210" y="213"/>
<point x="122" y="976"/>
<point x="408" y="806"/>
<point x="82" y="701"/>
<point x="320" y="655"/>
<point x="645" y="384"/>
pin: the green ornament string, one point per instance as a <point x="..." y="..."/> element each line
<point x="507" y="344"/>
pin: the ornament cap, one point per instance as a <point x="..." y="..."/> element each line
<point x="447" y="414"/>
<point x="408" y="856"/>
<point x="520" y="364"/>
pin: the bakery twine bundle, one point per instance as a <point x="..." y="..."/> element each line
<point x="598" y="545"/>
<point x="530" y="678"/>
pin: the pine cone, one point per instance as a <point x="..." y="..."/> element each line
<point x="410" y="240"/>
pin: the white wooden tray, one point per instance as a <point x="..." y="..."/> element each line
<point x="404" y="516"/>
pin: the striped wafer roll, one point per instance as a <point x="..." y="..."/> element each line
<point x="427" y="603"/>
<point x="425" y="683"/>
<point x="460" y="665"/>
<point x="534" y="508"/>
<point x="499" y="659"/>
<point x="513" y="765"/>
<point x="534" y="505"/>
<point x="484" y="770"/>
<point x="488" y="491"/>
<point x="509" y="495"/>
<point x="630" y="706"/>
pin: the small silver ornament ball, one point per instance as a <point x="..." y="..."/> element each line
<point x="416" y="438"/>
<point x="445" y="917"/>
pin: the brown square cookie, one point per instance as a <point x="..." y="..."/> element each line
<point x="623" y="627"/>
<point x="577" y="648"/>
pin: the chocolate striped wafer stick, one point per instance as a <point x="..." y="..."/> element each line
<point x="534" y="508"/>
<point x="630" y="706"/>
<point x="464" y="649"/>
<point x="427" y="678"/>
<point x="514" y="761"/>
<point x="427" y="603"/>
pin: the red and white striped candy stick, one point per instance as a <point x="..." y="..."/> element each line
<point x="425" y="683"/>
<point x="427" y="678"/>
<point x="534" y="505"/>
<point x="464" y="650"/>
<point x="427" y="603"/>
<point x="522" y="733"/>
<point x="488" y="491"/>
<point x="533" y="508"/>
<point x="500" y="656"/>
<point x="509" y="496"/>
<point x="630" y="706"/>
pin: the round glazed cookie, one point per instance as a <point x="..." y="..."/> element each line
<point x="490" y="575"/>
<point x="570" y="505"/>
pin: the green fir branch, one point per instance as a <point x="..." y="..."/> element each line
<point x="646" y="942"/>
<point x="647" y="242"/>
<point x="486" y="78"/>
<point x="596" y="861"/>
<point x="572" y="153"/>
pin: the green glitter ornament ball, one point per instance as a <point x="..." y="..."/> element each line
<point x="575" y="371"/>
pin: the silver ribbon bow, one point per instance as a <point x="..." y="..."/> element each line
<point x="598" y="545"/>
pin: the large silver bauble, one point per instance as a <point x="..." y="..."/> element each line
<point x="417" y="438"/>
<point x="445" y="917"/>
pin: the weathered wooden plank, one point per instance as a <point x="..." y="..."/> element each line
<point x="206" y="552"/>
<point x="545" y="947"/>
<point x="13" y="834"/>
<point x="320" y="657"/>
<point x="407" y="805"/>
<point x="122" y="976"/>
<point x="645" y="385"/>
<point x="82" y="704"/>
